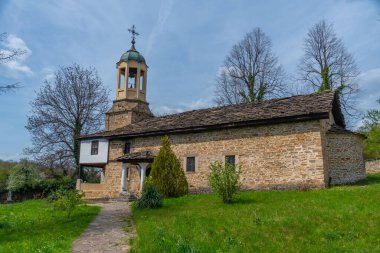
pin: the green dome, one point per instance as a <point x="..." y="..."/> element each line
<point x="132" y="54"/>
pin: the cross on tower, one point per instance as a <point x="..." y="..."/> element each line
<point x="134" y="34"/>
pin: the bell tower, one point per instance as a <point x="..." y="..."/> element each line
<point x="130" y="105"/>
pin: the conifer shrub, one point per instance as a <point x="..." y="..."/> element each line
<point x="167" y="174"/>
<point x="224" y="180"/>
<point x="150" y="198"/>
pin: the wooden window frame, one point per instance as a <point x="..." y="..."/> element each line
<point x="227" y="157"/>
<point x="94" y="147"/>
<point x="125" y="148"/>
<point x="187" y="163"/>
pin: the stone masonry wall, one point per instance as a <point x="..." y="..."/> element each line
<point x="113" y="170"/>
<point x="372" y="166"/>
<point x="125" y="112"/>
<point x="345" y="158"/>
<point x="282" y="156"/>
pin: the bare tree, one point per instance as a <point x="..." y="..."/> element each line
<point x="326" y="64"/>
<point x="5" y="56"/>
<point x="250" y="72"/>
<point x="72" y="104"/>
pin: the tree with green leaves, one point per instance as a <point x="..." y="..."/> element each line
<point x="371" y="129"/>
<point x="24" y="176"/>
<point x="167" y="173"/>
<point x="5" y="170"/>
<point x="251" y="72"/>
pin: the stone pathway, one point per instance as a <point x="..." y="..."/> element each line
<point x="109" y="232"/>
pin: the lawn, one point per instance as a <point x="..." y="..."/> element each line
<point x="339" y="219"/>
<point x="32" y="226"/>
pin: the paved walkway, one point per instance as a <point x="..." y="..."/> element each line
<point x="109" y="232"/>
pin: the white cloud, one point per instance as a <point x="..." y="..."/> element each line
<point x="369" y="93"/>
<point x="163" y="15"/>
<point x="17" y="65"/>
<point x="48" y="74"/>
<point x="165" y="110"/>
<point x="182" y="107"/>
<point x="369" y="85"/>
<point x="197" y="104"/>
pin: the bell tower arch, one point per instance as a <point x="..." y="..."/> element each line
<point x="130" y="104"/>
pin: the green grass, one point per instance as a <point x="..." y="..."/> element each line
<point x="32" y="226"/>
<point x="339" y="219"/>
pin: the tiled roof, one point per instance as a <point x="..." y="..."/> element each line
<point x="295" y="108"/>
<point x="144" y="156"/>
<point x="340" y="130"/>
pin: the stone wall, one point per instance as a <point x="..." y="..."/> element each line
<point x="345" y="158"/>
<point x="126" y="111"/>
<point x="282" y="156"/>
<point x="93" y="191"/>
<point x="372" y="166"/>
<point x="113" y="171"/>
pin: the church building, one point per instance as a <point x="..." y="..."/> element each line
<point x="286" y="143"/>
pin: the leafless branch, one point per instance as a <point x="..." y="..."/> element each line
<point x="323" y="49"/>
<point x="8" y="87"/>
<point x="250" y="72"/>
<point x="5" y="56"/>
<point x="72" y="104"/>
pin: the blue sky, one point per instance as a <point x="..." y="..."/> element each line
<point x="184" y="43"/>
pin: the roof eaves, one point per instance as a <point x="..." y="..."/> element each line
<point x="299" y="118"/>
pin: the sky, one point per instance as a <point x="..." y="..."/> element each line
<point x="184" y="44"/>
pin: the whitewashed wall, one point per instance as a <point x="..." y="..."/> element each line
<point x="85" y="152"/>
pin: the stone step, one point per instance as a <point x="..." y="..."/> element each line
<point x="122" y="198"/>
<point x="127" y="196"/>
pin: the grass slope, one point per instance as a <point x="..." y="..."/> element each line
<point x="339" y="219"/>
<point x="32" y="226"/>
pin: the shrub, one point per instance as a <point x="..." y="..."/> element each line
<point x="150" y="198"/>
<point x="224" y="179"/>
<point x="49" y="186"/>
<point x="67" y="200"/>
<point x="24" y="176"/>
<point x="167" y="174"/>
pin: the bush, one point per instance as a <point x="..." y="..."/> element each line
<point x="167" y="174"/>
<point x="150" y="198"/>
<point x="49" y="186"/>
<point x="224" y="179"/>
<point x="67" y="200"/>
<point x="24" y="176"/>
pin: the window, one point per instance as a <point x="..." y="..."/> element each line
<point x="94" y="147"/>
<point x="121" y="78"/>
<point x="141" y="82"/>
<point x="127" y="148"/>
<point x="132" y="78"/>
<point x="190" y="163"/>
<point x="230" y="159"/>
